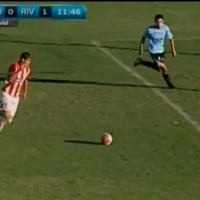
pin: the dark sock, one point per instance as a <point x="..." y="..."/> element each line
<point x="149" y="64"/>
<point x="167" y="80"/>
<point x="166" y="77"/>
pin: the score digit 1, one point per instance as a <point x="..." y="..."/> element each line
<point x="45" y="12"/>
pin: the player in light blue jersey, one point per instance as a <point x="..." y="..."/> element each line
<point x="156" y="35"/>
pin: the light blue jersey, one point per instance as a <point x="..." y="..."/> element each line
<point x="156" y="38"/>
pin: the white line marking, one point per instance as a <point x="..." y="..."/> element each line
<point x="173" y="105"/>
<point x="138" y="39"/>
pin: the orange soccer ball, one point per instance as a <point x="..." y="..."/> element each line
<point x="106" y="139"/>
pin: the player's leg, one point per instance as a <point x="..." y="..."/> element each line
<point x="10" y="113"/>
<point x="9" y="116"/>
<point x="159" y="60"/>
<point x="8" y="109"/>
<point x="146" y="63"/>
<point x="5" y="117"/>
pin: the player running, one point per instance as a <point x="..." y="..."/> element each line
<point x="156" y="35"/>
<point x="15" y="88"/>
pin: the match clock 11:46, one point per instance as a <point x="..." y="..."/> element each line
<point x="68" y="12"/>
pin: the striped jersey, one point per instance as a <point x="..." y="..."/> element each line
<point x="22" y="74"/>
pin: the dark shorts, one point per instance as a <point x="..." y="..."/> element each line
<point x="158" y="57"/>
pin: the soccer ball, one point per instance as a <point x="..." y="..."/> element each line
<point x="106" y="138"/>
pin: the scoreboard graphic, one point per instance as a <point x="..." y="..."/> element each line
<point x="10" y="15"/>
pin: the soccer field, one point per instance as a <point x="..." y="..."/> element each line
<point x="79" y="90"/>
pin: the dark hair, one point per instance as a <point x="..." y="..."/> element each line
<point x="158" y="16"/>
<point x="25" y="55"/>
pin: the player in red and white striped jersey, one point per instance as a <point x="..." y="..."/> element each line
<point x="15" y="88"/>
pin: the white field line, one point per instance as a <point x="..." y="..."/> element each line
<point x="138" y="39"/>
<point x="125" y="67"/>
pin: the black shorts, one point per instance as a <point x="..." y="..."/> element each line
<point x="158" y="57"/>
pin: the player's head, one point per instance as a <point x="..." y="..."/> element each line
<point x="159" y="20"/>
<point x="25" y="58"/>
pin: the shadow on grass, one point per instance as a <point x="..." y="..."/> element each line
<point x="97" y="83"/>
<point x="83" y="142"/>
<point x="106" y="84"/>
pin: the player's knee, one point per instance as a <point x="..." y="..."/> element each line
<point x="10" y="120"/>
<point x="8" y="117"/>
<point x="161" y="65"/>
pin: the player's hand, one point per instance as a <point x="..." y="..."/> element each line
<point x="138" y="61"/>
<point x="140" y="56"/>
<point x="23" y="96"/>
<point x="174" y="53"/>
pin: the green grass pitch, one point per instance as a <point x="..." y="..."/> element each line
<point x="78" y="92"/>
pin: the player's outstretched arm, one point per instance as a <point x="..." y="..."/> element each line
<point x="11" y="78"/>
<point x="141" y="50"/>
<point x="173" y="48"/>
<point x="12" y="75"/>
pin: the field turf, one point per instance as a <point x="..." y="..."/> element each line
<point x="77" y="92"/>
